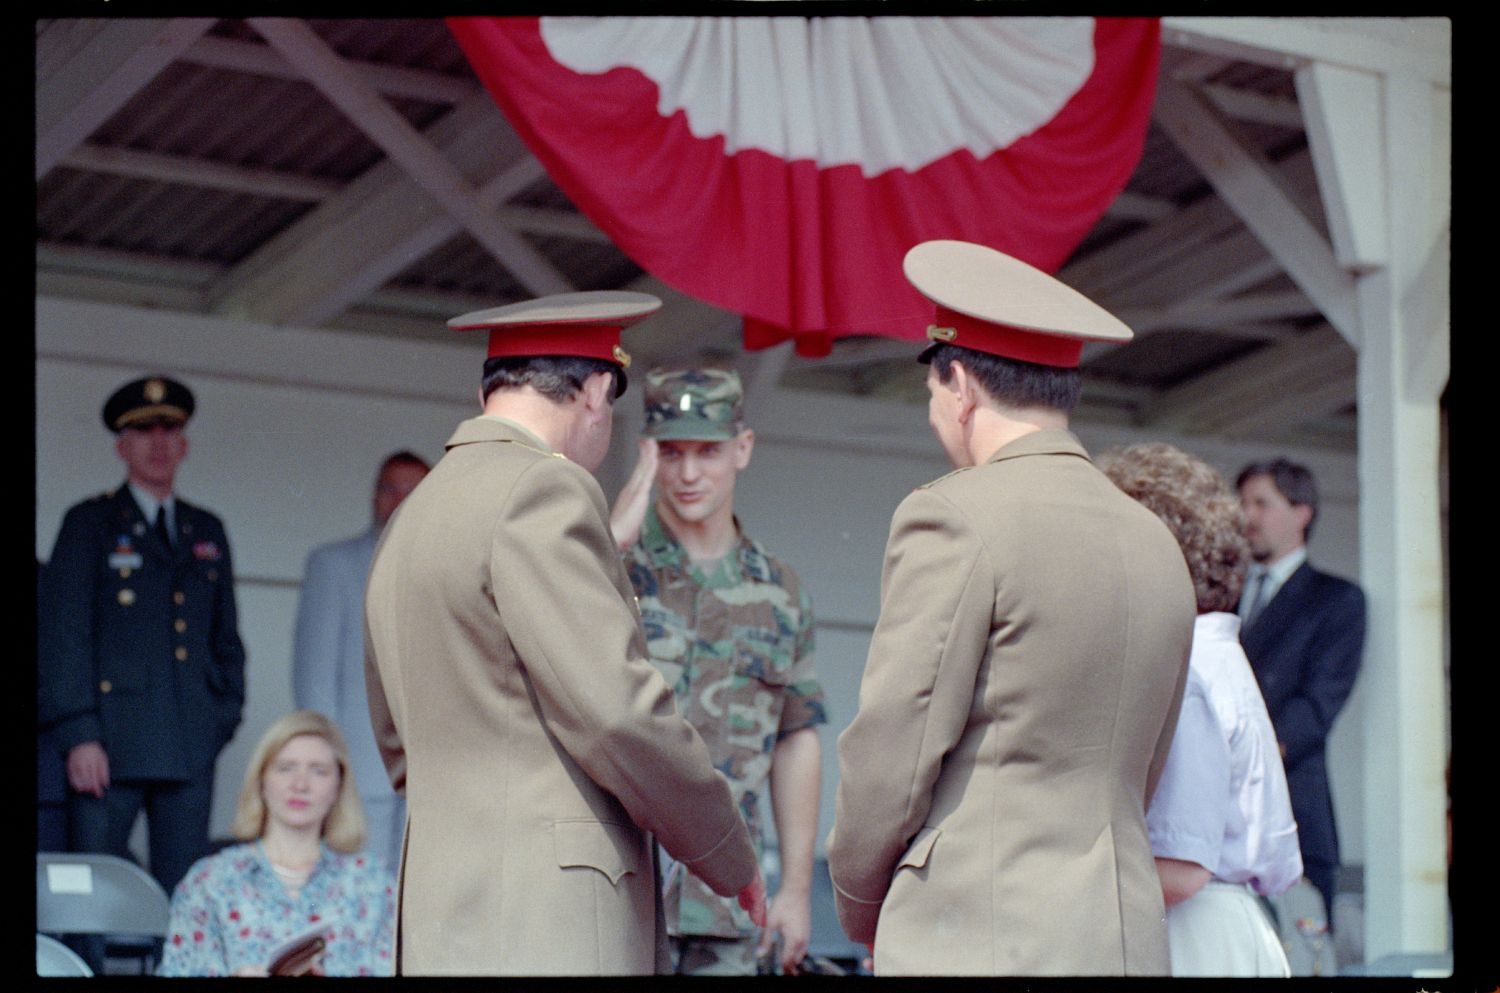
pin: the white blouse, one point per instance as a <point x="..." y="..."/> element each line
<point x="1222" y="799"/>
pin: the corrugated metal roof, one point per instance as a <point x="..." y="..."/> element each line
<point x="226" y="150"/>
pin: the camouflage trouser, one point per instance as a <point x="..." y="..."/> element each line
<point x="694" y="955"/>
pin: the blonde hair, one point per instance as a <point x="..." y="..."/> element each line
<point x="1193" y="500"/>
<point x="344" y="828"/>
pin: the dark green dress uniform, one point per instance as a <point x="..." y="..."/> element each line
<point x="140" y="651"/>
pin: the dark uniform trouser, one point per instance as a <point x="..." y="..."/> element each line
<point x="1323" y="875"/>
<point x="51" y="826"/>
<point x="176" y="832"/>
<point x="176" y="820"/>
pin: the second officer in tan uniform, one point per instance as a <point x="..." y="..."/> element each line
<point x="1024" y="677"/>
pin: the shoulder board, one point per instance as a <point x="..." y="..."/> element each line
<point x="532" y="448"/>
<point x="948" y="475"/>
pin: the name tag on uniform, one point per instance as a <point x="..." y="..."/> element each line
<point x="125" y="560"/>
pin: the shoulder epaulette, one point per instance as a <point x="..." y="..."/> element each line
<point x="946" y="475"/>
<point x="533" y="448"/>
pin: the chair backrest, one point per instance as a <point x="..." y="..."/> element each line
<point x="53" y="958"/>
<point x="81" y="893"/>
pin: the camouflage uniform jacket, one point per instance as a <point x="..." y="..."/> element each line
<point x="736" y="646"/>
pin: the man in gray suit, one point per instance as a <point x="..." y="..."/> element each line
<point x="328" y="651"/>
<point x="1024" y="678"/>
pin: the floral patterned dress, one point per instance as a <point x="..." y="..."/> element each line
<point x="231" y="910"/>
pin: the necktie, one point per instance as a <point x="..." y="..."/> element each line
<point x="161" y="527"/>
<point x="1258" y="598"/>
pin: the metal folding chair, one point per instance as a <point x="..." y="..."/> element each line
<point x="85" y="893"/>
<point x="53" y="958"/>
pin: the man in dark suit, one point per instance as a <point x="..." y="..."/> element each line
<point x="1304" y="632"/>
<point x="142" y="673"/>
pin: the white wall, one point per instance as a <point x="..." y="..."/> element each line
<point x="291" y="425"/>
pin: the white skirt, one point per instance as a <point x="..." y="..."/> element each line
<point x="1222" y="931"/>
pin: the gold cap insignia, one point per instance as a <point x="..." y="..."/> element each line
<point x="155" y="390"/>
<point x="938" y="333"/>
<point x="622" y="357"/>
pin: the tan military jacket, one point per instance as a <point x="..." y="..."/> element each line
<point x="1017" y="706"/>
<point x="537" y="747"/>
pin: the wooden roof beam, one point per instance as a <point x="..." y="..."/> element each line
<point x="407" y="148"/>
<point x="1247" y="182"/>
<point x="1285" y="376"/>
<point x="1420" y="46"/>
<point x="1209" y="314"/>
<point x="395" y="81"/>
<point x="380" y="223"/>
<point x="200" y="172"/>
<point x="75" y="97"/>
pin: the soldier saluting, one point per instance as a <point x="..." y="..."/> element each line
<point x="731" y="629"/>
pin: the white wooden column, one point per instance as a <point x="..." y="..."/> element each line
<point x="1376" y="96"/>
<point x="1403" y="366"/>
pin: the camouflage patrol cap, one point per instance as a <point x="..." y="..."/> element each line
<point x="693" y="404"/>
<point x="146" y="401"/>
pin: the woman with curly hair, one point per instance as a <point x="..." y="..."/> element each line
<point x="1220" y="823"/>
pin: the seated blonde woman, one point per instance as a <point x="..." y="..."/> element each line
<point x="300" y="872"/>
<point x="1221" y="823"/>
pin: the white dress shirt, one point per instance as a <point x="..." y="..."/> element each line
<point x="1276" y="574"/>
<point x="148" y="504"/>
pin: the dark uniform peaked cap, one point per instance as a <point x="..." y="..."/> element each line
<point x="146" y="401"/>
<point x="991" y="302"/>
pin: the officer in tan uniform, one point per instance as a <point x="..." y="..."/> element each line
<point x="730" y="627"/>
<point x="1024" y="677"/>
<point x="509" y="687"/>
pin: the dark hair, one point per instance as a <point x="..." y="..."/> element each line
<point x="403" y="457"/>
<point x="556" y="377"/>
<point x="1293" y="481"/>
<point x="1011" y="382"/>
